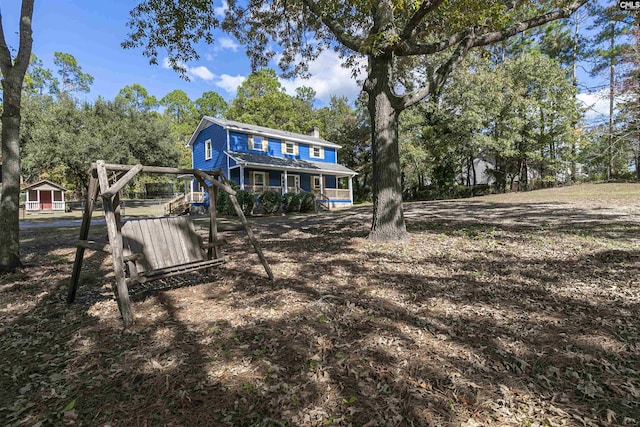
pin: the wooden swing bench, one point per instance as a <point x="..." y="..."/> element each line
<point x="153" y="248"/>
<point x="158" y="248"/>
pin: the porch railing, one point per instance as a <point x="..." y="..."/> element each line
<point x="36" y="206"/>
<point x="336" y="193"/>
<point x="260" y="188"/>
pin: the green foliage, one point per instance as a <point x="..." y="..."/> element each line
<point x="59" y="139"/>
<point x="291" y="202"/>
<point x="72" y="79"/>
<point x="261" y="100"/>
<point x="307" y="202"/>
<point x="246" y="200"/>
<point x="137" y="98"/>
<point x="270" y="201"/>
<point x="224" y="205"/>
<point x="211" y="104"/>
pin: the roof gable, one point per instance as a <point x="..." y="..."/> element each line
<point x="44" y="183"/>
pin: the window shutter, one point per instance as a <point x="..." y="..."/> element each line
<point x="265" y="144"/>
<point x="295" y="149"/>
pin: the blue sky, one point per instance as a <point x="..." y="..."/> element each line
<point x="92" y="31"/>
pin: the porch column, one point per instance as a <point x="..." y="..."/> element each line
<point x="351" y="188"/>
<point x="38" y="193"/>
<point x="191" y="191"/>
<point x="241" y="177"/>
<point x="286" y="183"/>
<point x="321" y="185"/>
<point x="53" y="201"/>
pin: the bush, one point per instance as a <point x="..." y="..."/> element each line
<point x="224" y="206"/>
<point x="270" y="201"/>
<point x="307" y="202"/>
<point x="291" y="202"/>
<point x="246" y="200"/>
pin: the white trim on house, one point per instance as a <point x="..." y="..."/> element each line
<point x="312" y="153"/>
<point x="208" y="149"/>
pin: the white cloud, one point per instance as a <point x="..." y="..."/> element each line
<point x="229" y="83"/>
<point x="200" y="72"/>
<point x="221" y="10"/>
<point x="596" y="104"/>
<point x="227" y="43"/>
<point x="328" y="77"/>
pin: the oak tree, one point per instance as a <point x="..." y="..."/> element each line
<point x="384" y="32"/>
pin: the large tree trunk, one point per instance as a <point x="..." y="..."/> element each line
<point x="388" y="218"/>
<point x="13" y="72"/>
<point x="10" y="199"/>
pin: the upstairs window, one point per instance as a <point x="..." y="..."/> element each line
<point x="208" y="150"/>
<point x="290" y="148"/>
<point x="257" y="143"/>
<point x="316" y="152"/>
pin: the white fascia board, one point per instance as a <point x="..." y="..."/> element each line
<point x="293" y="168"/>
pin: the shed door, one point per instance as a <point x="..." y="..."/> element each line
<point x="45" y="200"/>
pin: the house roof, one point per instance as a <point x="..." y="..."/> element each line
<point x="260" y="160"/>
<point x="44" y="183"/>
<point x="260" y="130"/>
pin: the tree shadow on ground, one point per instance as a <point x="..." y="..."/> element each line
<point x="493" y="325"/>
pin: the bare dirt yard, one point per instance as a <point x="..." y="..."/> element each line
<point x="512" y="310"/>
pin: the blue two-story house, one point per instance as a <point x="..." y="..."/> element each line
<point x="259" y="158"/>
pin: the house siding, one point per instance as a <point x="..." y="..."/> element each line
<point x="239" y="142"/>
<point x="218" y="160"/>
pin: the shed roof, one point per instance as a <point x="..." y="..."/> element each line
<point x="43" y="183"/>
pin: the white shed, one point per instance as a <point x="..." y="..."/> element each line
<point x="44" y="196"/>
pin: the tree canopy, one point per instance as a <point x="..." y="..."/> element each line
<point x="383" y="32"/>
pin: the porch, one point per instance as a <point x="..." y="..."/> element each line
<point x="333" y="188"/>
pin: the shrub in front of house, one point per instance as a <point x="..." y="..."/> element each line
<point x="270" y="201"/>
<point x="224" y="206"/>
<point x="246" y="200"/>
<point x="307" y="202"/>
<point x="291" y="202"/>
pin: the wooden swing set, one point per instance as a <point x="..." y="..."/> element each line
<point x="149" y="249"/>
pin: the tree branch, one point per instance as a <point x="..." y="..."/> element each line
<point x="26" y="39"/>
<point x="407" y="48"/>
<point x="496" y="36"/>
<point x="337" y="29"/>
<point x="425" y="8"/>
<point x="441" y="74"/>
<point x="5" y="54"/>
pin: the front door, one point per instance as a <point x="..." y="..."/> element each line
<point x="293" y="183"/>
<point x="45" y="200"/>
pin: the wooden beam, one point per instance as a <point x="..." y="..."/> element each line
<point x="115" y="239"/>
<point x="156" y="169"/>
<point x="113" y="190"/>
<point x="92" y="193"/>
<point x="252" y="238"/>
<point x="226" y="188"/>
<point x="90" y="244"/>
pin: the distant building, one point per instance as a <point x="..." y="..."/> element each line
<point x="44" y="196"/>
